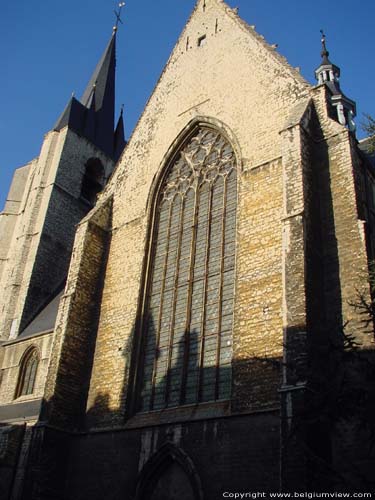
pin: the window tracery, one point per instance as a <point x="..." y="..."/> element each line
<point x="189" y="306"/>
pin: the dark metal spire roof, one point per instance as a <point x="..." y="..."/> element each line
<point x="324" y="53"/>
<point x="119" y="138"/>
<point x="327" y="71"/>
<point x="103" y="77"/>
<point x="93" y="117"/>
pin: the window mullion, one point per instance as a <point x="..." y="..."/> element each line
<point x="32" y="373"/>
<point x="172" y="325"/>
<point x="25" y="369"/>
<point x="160" y="314"/>
<point x="190" y="295"/>
<point x="218" y="346"/>
<point x="28" y="377"/>
<point x="204" y="308"/>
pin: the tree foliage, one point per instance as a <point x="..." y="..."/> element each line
<point x="369" y="127"/>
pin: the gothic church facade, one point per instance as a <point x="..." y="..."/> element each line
<point x="190" y="314"/>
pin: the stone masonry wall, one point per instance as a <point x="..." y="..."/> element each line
<point x="239" y="454"/>
<point x="349" y="234"/>
<point x="51" y="209"/>
<point x="76" y="325"/>
<point x="11" y="212"/>
<point x="257" y="332"/>
<point x="190" y="89"/>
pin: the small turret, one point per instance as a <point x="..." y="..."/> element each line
<point x="329" y="74"/>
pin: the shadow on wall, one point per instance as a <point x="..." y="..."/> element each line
<point x="173" y="382"/>
<point x="328" y="410"/>
<point x="170" y="473"/>
<point x="163" y="376"/>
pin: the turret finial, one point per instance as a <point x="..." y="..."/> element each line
<point x="118" y="16"/>
<point x="324" y="52"/>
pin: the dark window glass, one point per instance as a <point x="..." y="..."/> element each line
<point x="27" y="374"/>
<point x="93" y="181"/>
<point x="189" y="309"/>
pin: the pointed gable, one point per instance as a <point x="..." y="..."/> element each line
<point x="222" y="69"/>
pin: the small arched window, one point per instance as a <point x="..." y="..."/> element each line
<point x="187" y="335"/>
<point x="27" y="373"/>
<point x="93" y="180"/>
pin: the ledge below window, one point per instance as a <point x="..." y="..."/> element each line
<point x="20" y="411"/>
<point x="180" y="414"/>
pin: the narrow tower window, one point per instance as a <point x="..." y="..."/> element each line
<point x="189" y="305"/>
<point x="27" y="373"/>
<point x="202" y="40"/>
<point x="93" y="180"/>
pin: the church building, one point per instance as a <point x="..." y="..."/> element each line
<point x="187" y="315"/>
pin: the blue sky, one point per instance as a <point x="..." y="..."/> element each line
<point x="49" y="49"/>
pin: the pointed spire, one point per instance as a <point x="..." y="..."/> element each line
<point x="324" y="53"/>
<point x="93" y="117"/>
<point x="102" y="87"/>
<point x="64" y="118"/>
<point x="119" y="138"/>
<point x="327" y="72"/>
<point x="102" y="80"/>
<point x="89" y="125"/>
<point x="72" y="116"/>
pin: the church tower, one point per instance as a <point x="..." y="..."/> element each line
<point x="51" y="194"/>
<point x="48" y="198"/>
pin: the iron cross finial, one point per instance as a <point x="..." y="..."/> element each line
<point x="324" y="46"/>
<point x="118" y="15"/>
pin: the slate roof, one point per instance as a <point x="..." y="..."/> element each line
<point x="20" y="411"/>
<point x="45" y="320"/>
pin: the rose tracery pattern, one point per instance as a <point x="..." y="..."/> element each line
<point x="189" y="305"/>
<point x="207" y="156"/>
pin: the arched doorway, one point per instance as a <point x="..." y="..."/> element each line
<point x="172" y="484"/>
<point x="169" y="475"/>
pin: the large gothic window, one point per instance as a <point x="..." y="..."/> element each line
<point x="187" y="347"/>
<point x="27" y="373"/>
